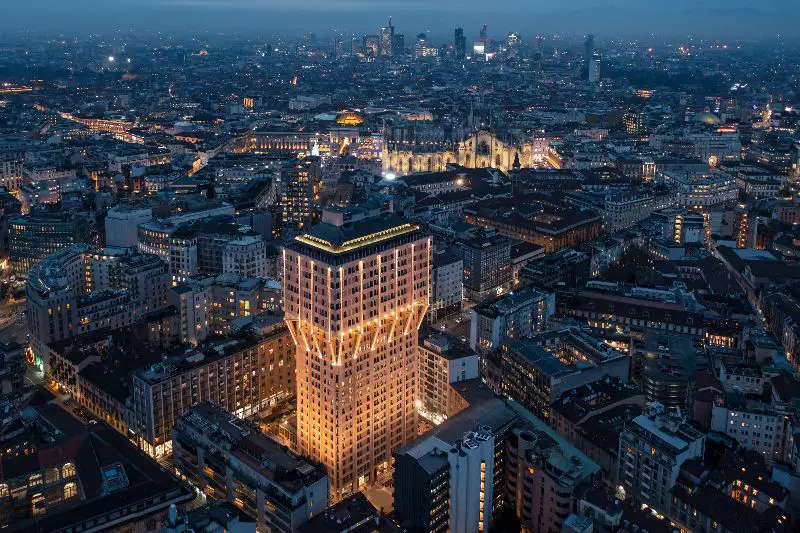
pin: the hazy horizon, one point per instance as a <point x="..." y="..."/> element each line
<point x="731" y="20"/>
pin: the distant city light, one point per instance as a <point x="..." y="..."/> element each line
<point x="390" y="176"/>
<point x="110" y="59"/>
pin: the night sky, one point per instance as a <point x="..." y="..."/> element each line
<point x="728" y="19"/>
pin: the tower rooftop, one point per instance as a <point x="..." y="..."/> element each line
<point x="355" y="235"/>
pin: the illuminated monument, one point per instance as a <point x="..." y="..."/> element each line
<point x="480" y="150"/>
<point x="356" y="290"/>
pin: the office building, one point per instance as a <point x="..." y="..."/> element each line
<point x="35" y="236"/>
<point x="625" y="209"/>
<point x="76" y="290"/>
<point x="565" y="268"/>
<point x="460" y="43"/>
<point x="122" y="223"/>
<point x="245" y="255"/>
<point x="701" y="191"/>
<point x="399" y="45"/>
<point x="153" y="237"/>
<point x="776" y="151"/>
<point x="448" y="283"/>
<point x="355" y="514"/>
<point x="738" y="491"/>
<point x="545" y="476"/>
<point x="681" y="226"/>
<point x="487" y="265"/>
<point x="594" y="69"/>
<point x="756" y="425"/>
<point x="355" y="294"/>
<point x="518" y="314"/>
<point x="211" y="305"/>
<point x="215" y="246"/>
<point x="652" y="449"/>
<point x="634" y="123"/>
<point x="549" y="224"/>
<point x="588" y="47"/>
<point x="244" y="375"/>
<point x="537" y="370"/>
<point x="231" y="459"/>
<point x="608" y="306"/>
<point x="298" y="192"/>
<point x="443" y="361"/>
<point x="453" y="478"/>
<point x="217" y="516"/>
<point x="387" y="40"/>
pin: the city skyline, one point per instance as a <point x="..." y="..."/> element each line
<point x="398" y="267"/>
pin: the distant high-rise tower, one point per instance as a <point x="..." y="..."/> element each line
<point x="338" y="48"/>
<point x="356" y="289"/>
<point x="387" y="39"/>
<point x="399" y="45"/>
<point x="460" y="43"/>
<point x="589" y="48"/>
<point x="513" y="43"/>
<point x="371" y="45"/>
<point x="484" y="33"/>
<point x="421" y="45"/>
<point x="594" y="69"/>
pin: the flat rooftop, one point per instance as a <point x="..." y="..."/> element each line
<point x="260" y="452"/>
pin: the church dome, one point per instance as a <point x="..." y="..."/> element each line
<point x="349" y="118"/>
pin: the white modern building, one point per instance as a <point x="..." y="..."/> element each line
<point x="122" y="223"/>
<point x="756" y="426"/>
<point x="518" y="314"/>
<point x="445" y="480"/>
<point x="701" y="190"/>
<point x="625" y="209"/>
<point x="246" y="255"/>
<point x="652" y="449"/>
<point x="448" y="283"/>
<point x="442" y="360"/>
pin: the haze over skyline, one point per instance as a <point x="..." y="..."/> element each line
<point x="733" y="19"/>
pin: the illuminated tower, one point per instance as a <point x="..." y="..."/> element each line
<point x="356" y="289"/>
<point x="594" y="69"/>
<point x="387" y="39"/>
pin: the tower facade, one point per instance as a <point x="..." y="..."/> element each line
<point x="356" y="289"/>
<point x="460" y="43"/>
<point x="594" y="69"/>
<point x="387" y="39"/>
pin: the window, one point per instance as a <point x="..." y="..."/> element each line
<point x="51" y="475"/>
<point x="38" y="504"/>
<point x="70" y="490"/>
<point x="68" y="470"/>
